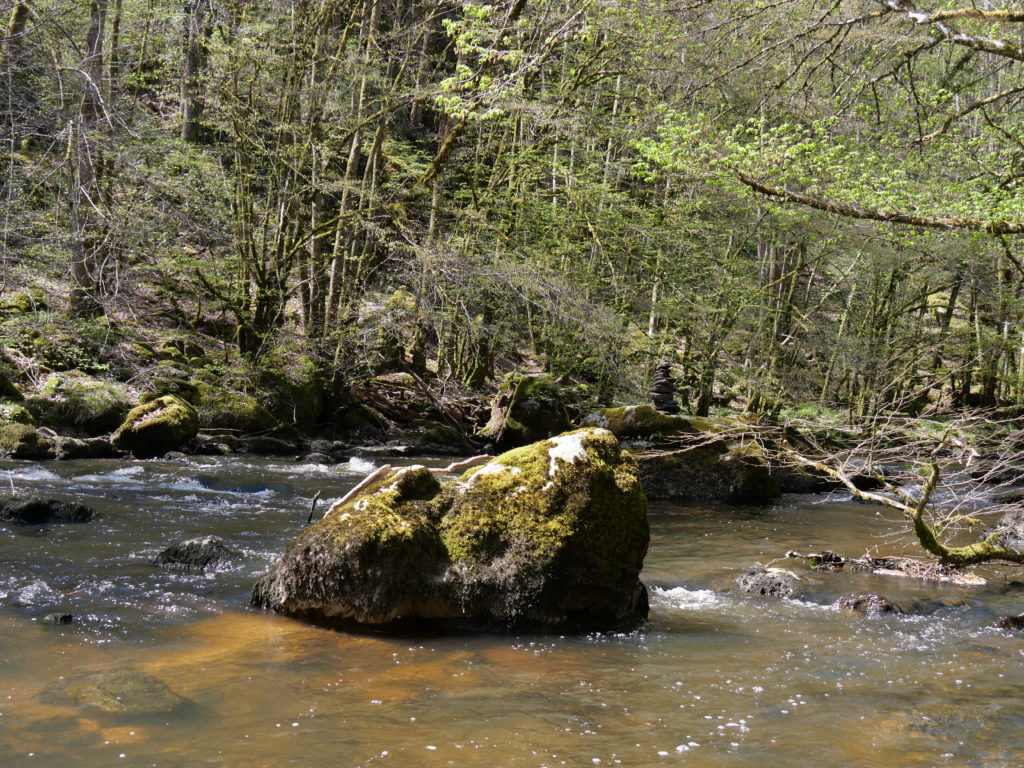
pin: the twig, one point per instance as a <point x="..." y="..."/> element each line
<point x="312" y="507"/>
<point x="375" y="475"/>
<point x="457" y="465"/>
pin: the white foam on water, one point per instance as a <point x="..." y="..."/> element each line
<point x="684" y="599"/>
<point x="123" y="475"/>
<point x="33" y="473"/>
<point x="35" y="593"/>
<point x="356" y="464"/>
<point x="187" y="486"/>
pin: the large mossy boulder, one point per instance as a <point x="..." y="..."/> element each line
<point x="154" y="428"/>
<point x="692" y="459"/>
<point x="78" y="399"/>
<point x="21" y="441"/>
<point x="527" y="408"/>
<point x="546" y="537"/>
<point x="220" y="408"/>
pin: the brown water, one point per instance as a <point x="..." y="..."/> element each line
<point x="716" y="678"/>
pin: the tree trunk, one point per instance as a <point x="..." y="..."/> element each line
<point x="194" y="63"/>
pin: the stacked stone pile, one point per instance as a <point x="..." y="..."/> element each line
<point x="663" y="389"/>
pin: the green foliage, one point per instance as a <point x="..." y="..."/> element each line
<point x="59" y="343"/>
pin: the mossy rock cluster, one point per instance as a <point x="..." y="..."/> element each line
<point x="220" y="408"/>
<point x="154" y="428"/>
<point x="21" y="441"/>
<point x="548" y="537"/>
<point x="526" y="409"/>
<point x="93" y="405"/>
<point x="692" y="459"/>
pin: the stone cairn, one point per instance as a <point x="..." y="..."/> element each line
<point x="663" y="389"/>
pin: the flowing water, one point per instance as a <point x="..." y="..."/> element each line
<point x="716" y="678"/>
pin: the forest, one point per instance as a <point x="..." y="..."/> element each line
<point x="800" y="204"/>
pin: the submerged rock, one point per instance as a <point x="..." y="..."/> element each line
<point x="692" y="459"/>
<point x="867" y="603"/>
<point x="195" y="555"/>
<point x="154" y="428"/>
<point x="936" y="604"/>
<point x="771" y="582"/>
<point x="58" y="618"/>
<point x="129" y="692"/>
<point x="1010" y="622"/>
<point x="36" y="511"/>
<point x="551" y="536"/>
<point x="1010" y="496"/>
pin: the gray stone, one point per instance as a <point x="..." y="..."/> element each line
<point x="195" y="556"/>
<point x="867" y="603"/>
<point x="58" y="618"/>
<point x="771" y="582"/>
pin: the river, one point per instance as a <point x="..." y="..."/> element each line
<point x="716" y="678"/>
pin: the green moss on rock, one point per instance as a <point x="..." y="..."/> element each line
<point x="15" y="412"/>
<point x="548" y="536"/>
<point x="20" y="441"/>
<point x="553" y="533"/>
<point x="644" y="422"/>
<point x="22" y="303"/>
<point x="367" y="559"/>
<point x="526" y="409"/>
<point x="695" y="459"/>
<point x="154" y="428"/>
<point x="75" y="398"/>
<point x="220" y="408"/>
